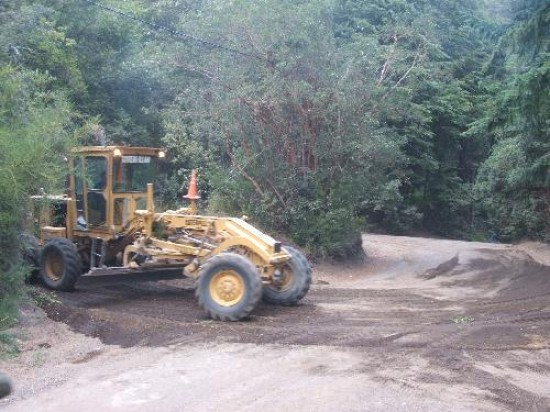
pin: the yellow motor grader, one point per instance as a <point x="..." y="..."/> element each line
<point x="106" y="219"/>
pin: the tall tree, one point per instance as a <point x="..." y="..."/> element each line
<point x="289" y="118"/>
<point x="513" y="185"/>
<point x="427" y="56"/>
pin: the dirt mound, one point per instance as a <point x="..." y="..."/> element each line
<point x="494" y="274"/>
<point x="530" y="281"/>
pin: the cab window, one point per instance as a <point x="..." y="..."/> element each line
<point x="96" y="172"/>
<point x="132" y="173"/>
<point x="96" y="175"/>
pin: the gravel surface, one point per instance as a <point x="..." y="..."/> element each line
<point x="422" y="325"/>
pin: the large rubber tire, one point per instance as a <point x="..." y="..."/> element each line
<point x="60" y="264"/>
<point x="229" y="287"/>
<point x="296" y="281"/>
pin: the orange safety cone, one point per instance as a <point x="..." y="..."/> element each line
<point x="192" y="192"/>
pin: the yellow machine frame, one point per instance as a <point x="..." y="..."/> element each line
<point x="223" y="234"/>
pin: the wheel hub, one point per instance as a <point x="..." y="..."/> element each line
<point x="283" y="278"/>
<point x="54" y="266"/>
<point x="226" y="288"/>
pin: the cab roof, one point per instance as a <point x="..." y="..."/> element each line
<point x="110" y="150"/>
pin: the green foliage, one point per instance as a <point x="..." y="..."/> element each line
<point x="96" y="57"/>
<point x="31" y="38"/>
<point x="12" y="290"/>
<point x="424" y="59"/>
<point x="513" y="185"/>
<point x="33" y="135"/>
<point x="461" y="320"/>
<point x="325" y="230"/>
<point x="8" y="346"/>
<point x="281" y="136"/>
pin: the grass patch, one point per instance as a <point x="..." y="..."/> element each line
<point x="8" y="346"/>
<point x="43" y="297"/>
<point x="460" y="320"/>
<point x="39" y="357"/>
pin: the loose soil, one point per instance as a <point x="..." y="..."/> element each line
<point x="423" y="324"/>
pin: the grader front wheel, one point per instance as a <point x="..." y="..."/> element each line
<point x="229" y="287"/>
<point x="293" y="283"/>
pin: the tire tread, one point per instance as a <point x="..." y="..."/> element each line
<point x="293" y="296"/>
<point x="72" y="265"/>
<point x="234" y="261"/>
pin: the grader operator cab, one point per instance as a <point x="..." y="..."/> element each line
<point x="107" y="220"/>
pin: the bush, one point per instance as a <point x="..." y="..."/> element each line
<point x="326" y="232"/>
<point x="34" y="133"/>
<point x="12" y="292"/>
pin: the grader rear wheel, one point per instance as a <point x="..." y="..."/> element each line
<point x="60" y="264"/>
<point x="229" y="287"/>
<point x="294" y="282"/>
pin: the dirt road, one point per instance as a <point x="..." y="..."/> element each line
<point x="423" y="325"/>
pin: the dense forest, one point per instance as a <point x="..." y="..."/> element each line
<point x="319" y="119"/>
